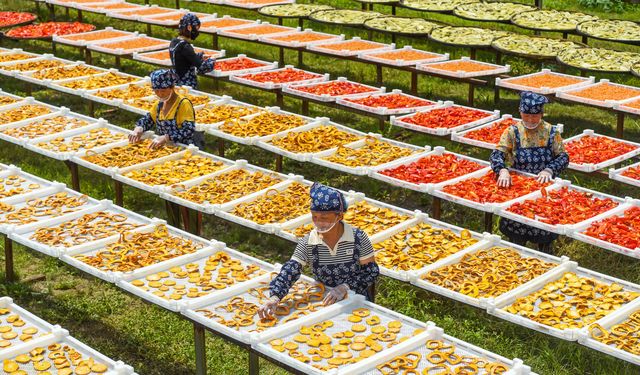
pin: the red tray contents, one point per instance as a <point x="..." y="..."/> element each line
<point x="48" y="29"/>
<point x="619" y="230"/>
<point x="392" y="101"/>
<point x="633" y="172"/>
<point x="595" y="149"/>
<point x="448" y="117"/>
<point x="433" y="169"/>
<point x="15" y="18"/>
<point x="493" y="133"/>
<point x="336" y="88"/>
<point x="485" y="189"/>
<point x="281" y="76"/>
<point x="239" y="63"/>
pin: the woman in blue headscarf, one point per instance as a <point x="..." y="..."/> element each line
<point x="185" y="61"/>
<point x="172" y="117"/>
<point x="533" y="146"/>
<point x="340" y="256"/>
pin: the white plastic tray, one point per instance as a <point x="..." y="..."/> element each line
<point x="31" y="321"/>
<point x="251" y="140"/>
<point x="494" y="69"/>
<point x="232" y="31"/>
<point x="34" y="144"/>
<point x="318" y="158"/>
<point x="485" y="207"/>
<point x="373" y="56"/>
<point x="28" y="101"/>
<point x="375" y="47"/>
<point x="271" y="85"/>
<point x="369" y="365"/>
<point x="226" y="210"/>
<point x="266" y="66"/>
<point x="103" y="46"/>
<point x="8" y="171"/>
<point x="199" y="258"/>
<point x="569" y="95"/>
<point x="564" y="229"/>
<point x="588" y="168"/>
<point x="616" y="317"/>
<point x="579" y="234"/>
<point x="14" y="51"/>
<point x="507" y="83"/>
<point x="420" y="219"/>
<point x="213" y="29"/>
<point x="4" y="94"/>
<point x="224" y="100"/>
<point x="275" y="41"/>
<point x="59" y="85"/>
<point x="63" y="112"/>
<point x="24" y="233"/>
<point x="462" y="136"/>
<point x="120" y="173"/>
<point x="132" y="15"/>
<point x="5" y="67"/>
<point x="339" y="318"/>
<point x="91" y="7"/>
<point x="624" y="107"/>
<point x="207" y="207"/>
<point x="114" y="102"/>
<point x="399" y="121"/>
<point x="146" y="56"/>
<point x="328" y="98"/>
<point x="384" y="111"/>
<point x="265" y="142"/>
<point x="496" y="306"/>
<point x="154" y="19"/>
<point x="375" y="172"/>
<point x="491" y="241"/>
<point x="29" y="76"/>
<point x="94" y="247"/>
<point x="65" y="39"/>
<point x="616" y="174"/>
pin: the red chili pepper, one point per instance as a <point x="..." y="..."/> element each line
<point x="448" y="117"/>
<point x="14" y="18"/>
<point x="238" y="63"/>
<point x="47" y="29"/>
<point x="633" y="172"/>
<point x="485" y="189"/>
<point x="596" y="149"/>
<point x="491" y="134"/>
<point x="563" y="206"/>
<point x="620" y="230"/>
<point x="282" y="76"/>
<point x="336" y="88"/>
<point x="433" y="169"/>
<point x="392" y="101"/>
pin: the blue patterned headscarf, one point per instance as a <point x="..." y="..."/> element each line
<point x="189" y="19"/>
<point x="532" y="103"/>
<point x="324" y="198"/>
<point x="163" y="79"/>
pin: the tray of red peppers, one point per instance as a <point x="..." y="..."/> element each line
<point x="423" y="173"/>
<point x="48" y="29"/>
<point x="391" y="103"/>
<point x="589" y="152"/>
<point x="487" y="135"/>
<point x="445" y="119"/>
<point x="480" y="190"/>
<point x="273" y="79"/>
<point x="619" y="232"/>
<point x="629" y="175"/>
<point x="331" y="90"/>
<point x="10" y="19"/>
<point x="239" y="65"/>
<point x="560" y="208"/>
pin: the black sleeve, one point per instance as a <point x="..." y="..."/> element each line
<point x="189" y="54"/>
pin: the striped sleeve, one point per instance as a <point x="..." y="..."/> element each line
<point x="366" y="249"/>
<point x="301" y="253"/>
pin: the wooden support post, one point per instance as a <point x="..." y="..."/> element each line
<point x="200" y="348"/>
<point x="118" y="62"/>
<point x="177" y="4"/>
<point x="472" y="90"/>
<point x="301" y="23"/>
<point x="620" y="125"/>
<point x="118" y="190"/>
<point x="53" y="47"/>
<point x="379" y="74"/>
<point x="254" y="363"/>
<point x="585" y="39"/>
<point x="496" y="94"/>
<point x="280" y="21"/>
<point x="305" y="107"/>
<point x="52" y="12"/>
<point x="414" y="83"/>
<point x="364" y="7"/>
<point x="472" y="53"/>
<point x="539" y="4"/>
<point x="186" y="219"/>
<point x="488" y="222"/>
<point x="393" y="38"/>
<point x="436" y="208"/>
<point x="198" y="223"/>
<point x="28" y="88"/>
<point x="149" y="28"/>
<point x="67" y="12"/>
<point x="300" y="59"/>
<point x="279" y="99"/>
<point x="9" y="275"/>
<point x="278" y="163"/>
<point x="92" y="109"/>
<point x="281" y="56"/>
<point x="75" y="177"/>
<point x="221" y="147"/>
<point x="498" y="57"/>
<point x="87" y="55"/>
<point x="381" y="121"/>
<point x="79" y="15"/>
<point x="214" y="41"/>
<point x="393" y="10"/>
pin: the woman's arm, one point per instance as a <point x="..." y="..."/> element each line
<point x="146" y="122"/>
<point x="560" y="157"/>
<point x="498" y="157"/>
<point x="289" y="274"/>
<point x="369" y="270"/>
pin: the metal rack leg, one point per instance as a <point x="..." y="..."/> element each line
<point x="620" y="125"/>
<point x="488" y="222"/>
<point x="436" y="208"/>
<point x="201" y="350"/>
<point x="8" y="260"/>
<point x="254" y="363"/>
<point x="75" y="177"/>
<point x="118" y="190"/>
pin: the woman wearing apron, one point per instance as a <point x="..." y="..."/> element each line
<point x="533" y="146"/>
<point x="340" y="256"/>
<point x="185" y="61"/>
<point x="172" y="117"/>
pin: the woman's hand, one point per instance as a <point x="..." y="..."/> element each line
<point x="336" y="294"/>
<point x="269" y="308"/>
<point x="136" y="135"/>
<point x="159" y="142"/>
<point x="545" y="176"/>
<point x="504" y="178"/>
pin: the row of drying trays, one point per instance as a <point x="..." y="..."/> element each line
<point x="320" y="159"/>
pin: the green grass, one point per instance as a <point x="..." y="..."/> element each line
<point x="158" y="342"/>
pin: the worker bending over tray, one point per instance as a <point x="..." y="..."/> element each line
<point x="172" y="117"/>
<point x="533" y="146"/>
<point x="340" y="256"/>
